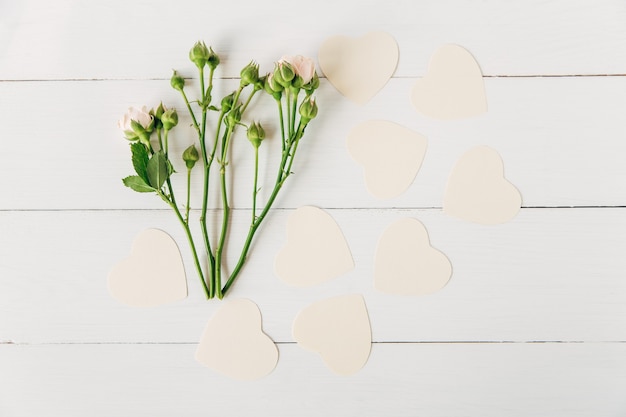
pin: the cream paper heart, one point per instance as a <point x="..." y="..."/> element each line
<point x="338" y="329"/>
<point x="406" y="264"/>
<point x="477" y="190"/>
<point x="316" y="250"/>
<point x="391" y="156"/>
<point x="360" y="67"/>
<point x="453" y="87"/>
<point x="153" y="274"/>
<point x="233" y="342"/>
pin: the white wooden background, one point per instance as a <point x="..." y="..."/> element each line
<point x="533" y="321"/>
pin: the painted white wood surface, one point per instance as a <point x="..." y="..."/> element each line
<point x="533" y="321"/>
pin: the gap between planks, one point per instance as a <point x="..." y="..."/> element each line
<point x="43" y="80"/>
<point x="429" y="342"/>
<point x="386" y="208"/>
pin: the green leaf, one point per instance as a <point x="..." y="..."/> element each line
<point x="140" y="160"/>
<point x="157" y="170"/>
<point x="136" y="183"/>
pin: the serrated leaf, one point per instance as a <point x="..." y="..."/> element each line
<point x="138" y="184"/>
<point x="140" y="160"/>
<point x="157" y="170"/>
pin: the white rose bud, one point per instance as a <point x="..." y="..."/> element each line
<point x="302" y="66"/>
<point x="141" y="116"/>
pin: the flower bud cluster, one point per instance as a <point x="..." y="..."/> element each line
<point x="292" y="72"/>
<point x="138" y="124"/>
<point x="201" y="56"/>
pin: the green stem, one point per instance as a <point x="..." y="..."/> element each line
<point x="245" y="106"/>
<point x="207" y="166"/>
<point x="207" y="162"/>
<point x="280" y="180"/>
<point x="187" y="207"/>
<point x="166" y="148"/>
<point x="193" y="116"/>
<point x="256" y="175"/>
<point x="299" y="134"/>
<point x="209" y="89"/>
<point x="217" y="274"/>
<point x="159" y="136"/>
<point x="288" y="105"/>
<point x="294" y="110"/>
<point x="191" y="243"/>
<point x="282" y="122"/>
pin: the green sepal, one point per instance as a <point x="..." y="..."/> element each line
<point x="136" y="183"/>
<point x="157" y="170"/>
<point x="140" y="160"/>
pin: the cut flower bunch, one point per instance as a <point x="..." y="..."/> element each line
<point x="291" y="85"/>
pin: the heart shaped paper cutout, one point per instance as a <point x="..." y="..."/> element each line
<point x="391" y="156"/>
<point x="477" y="190"/>
<point x="360" y="67"/>
<point x="316" y="250"/>
<point x="453" y="87"/>
<point x="338" y="329"/>
<point x="233" y="342"/>
<point x="154" y="273"/>
<point x="406" y="263"/>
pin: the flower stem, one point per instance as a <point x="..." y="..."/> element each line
<point x="191" y="242"/>
<point x="256" y="175"/>
<point x="294" y="110"/>
<point x="193" y="116"/>
<point x="160" y="140"/>
<point x="282" y="176"/>
<point x="282" y="122"/>
<point x="207" y="167"/>
<point x="187" y="207"/>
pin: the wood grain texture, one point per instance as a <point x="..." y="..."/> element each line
<point x="581" y="380"/>
<point x="141" y="39"/>
<point x="549" y="275"/>
<point x="533" y="321"/>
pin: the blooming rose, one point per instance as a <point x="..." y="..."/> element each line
<point x="302" y="66"/>
<point x="142" y="117"/>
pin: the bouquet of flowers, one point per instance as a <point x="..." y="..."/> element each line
<point x="291" y="85"/>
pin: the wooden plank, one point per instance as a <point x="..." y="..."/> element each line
<point x="561" y="140"/>
<point x="549" y="275"/>
<point x="135" y="39"/>
<point x="400" y="379"/>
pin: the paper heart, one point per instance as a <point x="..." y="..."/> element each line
<point x="338" y="329"/>
<point x="153" y="274"/>
<point x="316" y="250"/>
<point x="233" y="342"/>
<point x="477" y="190"/>
<point x="360" y="67"/>
<point x="453" y="87"/>
<point x="391" y="156"/>
<point x="406" y="263"/>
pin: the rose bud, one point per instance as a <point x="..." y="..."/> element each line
<point x="169" y="119"/>
<point x="308" y="110"/>
<point x="190" y="156"/>
<point x="177" y="82"/>
<point x="256" y="134"/>
<point x="199" y="54"/>
<point x="249" y="74"/>
<point x="213" y="61"/>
